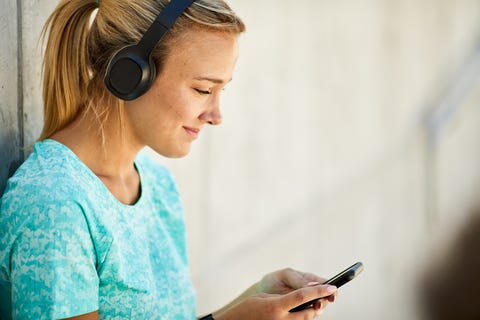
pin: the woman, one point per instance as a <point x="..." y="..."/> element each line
<point x="90" y="227"/>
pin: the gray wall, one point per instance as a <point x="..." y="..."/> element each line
<point x="351" y="133"/>
<point x="10" y="109"/>
<point x="20" y="90"/>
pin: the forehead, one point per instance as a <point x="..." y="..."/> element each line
<point x="201" y="53"/>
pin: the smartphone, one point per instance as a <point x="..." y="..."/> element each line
<point x="339" y="280"/>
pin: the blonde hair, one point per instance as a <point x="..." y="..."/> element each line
<point x="78" y="50"/>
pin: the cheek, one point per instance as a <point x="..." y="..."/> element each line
<point x="183" y="108"/>
<point x="167" y="119"/>
<point x="162" y="108"/>
<point x="171" y="107"/>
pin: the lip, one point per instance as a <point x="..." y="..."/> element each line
<point x="192" y="132"/>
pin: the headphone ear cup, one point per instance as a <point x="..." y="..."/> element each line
<point x="129" y="74"/>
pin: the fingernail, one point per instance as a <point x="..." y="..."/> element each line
<point x="319" y="312"/>
<point x="313" y="284"/>
<point x="331" y="289"/>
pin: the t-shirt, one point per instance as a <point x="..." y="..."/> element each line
<point x="69" y="247"/>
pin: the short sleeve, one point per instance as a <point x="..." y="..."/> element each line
<point x="53" y="266"/>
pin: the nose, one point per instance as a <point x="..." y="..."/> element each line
<point x="212" y="115"/>
<point x="214" y="118"/>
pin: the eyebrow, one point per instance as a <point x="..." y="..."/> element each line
<point x="217" y="81"/>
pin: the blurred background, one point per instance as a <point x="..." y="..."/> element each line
<point x="351" y="133"/>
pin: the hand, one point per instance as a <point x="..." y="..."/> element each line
<point x="287" y="280"/>
<point x="265" y="306"/>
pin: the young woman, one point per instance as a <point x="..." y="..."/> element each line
<point x="90" y="227"/>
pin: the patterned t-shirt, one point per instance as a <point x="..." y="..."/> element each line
<point x="69" y="247"/>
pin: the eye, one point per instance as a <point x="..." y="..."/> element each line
<point x="203" y="91"/>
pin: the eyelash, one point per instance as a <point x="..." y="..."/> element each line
<point x="203" y="91"/>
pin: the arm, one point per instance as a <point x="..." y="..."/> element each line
<point x="271" y="306"/>
<point x="278" y="290"/>
<point x="52" y="269"/>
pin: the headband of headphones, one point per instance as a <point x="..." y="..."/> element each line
<point x="131" y="71"/>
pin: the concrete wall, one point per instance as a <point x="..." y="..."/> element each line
<point x="10" y="131"/>
<point x="324" y="157"/>
<point x="20" y="90"/>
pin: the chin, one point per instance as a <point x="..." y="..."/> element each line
<point x="173" y="153"/>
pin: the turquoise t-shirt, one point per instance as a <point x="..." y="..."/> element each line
<point x="69" y="247"/>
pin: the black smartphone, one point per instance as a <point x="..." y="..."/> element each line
<point x="339" y="280"/>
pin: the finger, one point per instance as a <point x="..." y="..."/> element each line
<point x="310" y="277"/>
<point x="303" y="295"/>
<point x="297" y="279"/>
<point x="294" y="279"/>
<point x="310" y="313"/>
<point x="332" y="297"/>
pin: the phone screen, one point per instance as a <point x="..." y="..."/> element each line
<point x="339" y="280"/>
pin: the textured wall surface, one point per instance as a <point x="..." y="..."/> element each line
<point x="350" y="133"/>
<point x="20" y="91"/>
<point x="10" y="109"/>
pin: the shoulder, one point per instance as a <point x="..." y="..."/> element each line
<point x="32" y="206"/>
<point x="34" y="223"/>
<point x="51" y="174"/>
<point x="47" y="189"/>
<point x="40" y="206"/>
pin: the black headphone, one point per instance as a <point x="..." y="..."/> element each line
<point x="131" y="71"/>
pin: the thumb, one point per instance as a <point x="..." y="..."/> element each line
<point x="306" y="295"/>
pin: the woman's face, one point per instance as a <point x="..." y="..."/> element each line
<point x="185" y="95"/>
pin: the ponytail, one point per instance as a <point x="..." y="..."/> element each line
<point x="66" y="71"/>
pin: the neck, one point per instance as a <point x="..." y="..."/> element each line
<point x="108" y="151"/>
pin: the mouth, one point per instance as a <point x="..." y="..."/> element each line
<point x="192" y="132"/>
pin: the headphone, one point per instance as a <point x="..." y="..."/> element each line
<point x="131" y="71"/>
